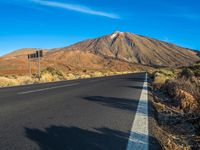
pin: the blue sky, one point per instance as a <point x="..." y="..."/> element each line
<point x="58" y="23"/>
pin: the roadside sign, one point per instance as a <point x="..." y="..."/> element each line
<point x="37" y="54"/>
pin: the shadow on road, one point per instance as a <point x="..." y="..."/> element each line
<point x="121" y="103"/>
<point x="136" y="79"/>
<point x="138" y="87"/>
<point x="73" y="138"/>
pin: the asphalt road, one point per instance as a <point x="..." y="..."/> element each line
<point x="83" y="114"/>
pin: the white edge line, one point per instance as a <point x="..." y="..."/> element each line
<point x="45" y="89"/>
<point x="139" y="135"/>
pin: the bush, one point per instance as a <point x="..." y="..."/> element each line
<point x="70" y="76"/>
<point x="166" y="72"/>
<point x="173" y="88"/>
<point x="47" y="77"/>
<point x="50" y="74"/>
<point x="162" y="75"/>
<point x="85" y="76"/>
<point x="4" y="82"/>
<point x="160" y="78"/>
<point x="196" y="69"/>
<point x="24" y="80"/>
<point x="186" y="72"/>
<point x="97" y="74"/>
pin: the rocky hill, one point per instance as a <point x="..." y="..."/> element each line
<point x="118" y="51"/>
<point x="137" y="49"/>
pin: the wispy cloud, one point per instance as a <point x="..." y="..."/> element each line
<point x="77" y="8"/>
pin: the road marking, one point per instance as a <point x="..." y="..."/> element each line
<point x="50" y="88"/>
<point x="96" y="80"/>
<point x="139" y="136"/>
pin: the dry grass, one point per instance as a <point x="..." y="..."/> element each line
<point x="50" y="74"/>
<point x="161" y="75"/>
<point x="177" y="107"/>
<point x="190" y="86"/>
<point x="4" y="82"/>
<point x="16" y="80"/>
<point x="48" y="77"/>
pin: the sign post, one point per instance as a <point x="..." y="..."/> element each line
<point x="37" y="54"/>
<point x="39" y="68"/>
<point x="30" y="68"/>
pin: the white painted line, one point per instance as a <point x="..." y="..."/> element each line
<point x="45" y="89"/>
<point x="139" y="136"/>
<point x="96" y="80"/>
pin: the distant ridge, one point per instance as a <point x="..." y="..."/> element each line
<point x="116" y="51"/>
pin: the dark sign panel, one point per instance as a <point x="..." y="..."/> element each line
<point x="39" y="53"/>
<point x="36" y="55"/>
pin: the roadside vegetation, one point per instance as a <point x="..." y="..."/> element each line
<point x="177" y="107"/>
<point x="50" y="74"/>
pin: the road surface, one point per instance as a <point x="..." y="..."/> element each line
<point x="95" y="113"/>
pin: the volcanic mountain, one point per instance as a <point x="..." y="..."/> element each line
<point x="119" y="50"/>
<point x="137" y="49"/>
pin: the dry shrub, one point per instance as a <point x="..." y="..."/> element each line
<point x="159" y="80"/>
<point x="16" y="80"/>
<point x="160" y="76"/>
<point x="187" y="102"/>
<point x="191" y="71"/>
<point x="25" y="80"/>
<point x="50" y="74"/>
<point x="185" y="93"/>
<point x="56" y="74"/>
<point x="178" y="108"/>
<point x="186" y="72"/>
<point x="70" y="76"/>
<point x="173" y="143"/>
<point x="117" y="73"/>
<point x="97" y="74"/>
<point x="196" y="69"/>
<point x="47" y="77"/>
<point x="85" y="76"/>
<point x="109" y="73"/>
<point x="5" y="81"/>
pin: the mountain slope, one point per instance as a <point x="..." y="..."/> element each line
<point x="119" y="51"/>
<point x="137" y="49"/>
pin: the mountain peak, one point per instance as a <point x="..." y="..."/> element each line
<point x="132" y="48"/>
<point x="116" y="33"/>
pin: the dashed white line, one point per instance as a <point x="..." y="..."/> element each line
<point x="45" y="89"/>
<point x="96" y="80"/>
<point x="139" y="136"/>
